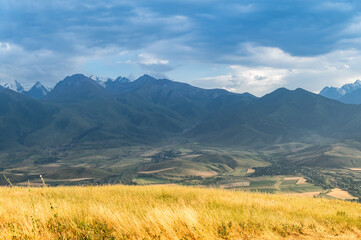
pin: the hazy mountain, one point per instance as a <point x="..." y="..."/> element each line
<point x="37" y="91"/>
<point x="148" y="110"/>
<point x="347" y="93"/>
<point x="79" y="110"/>
<point x="100" y="80"/>
<point x="114" y="118"/>
<point x="112" y="85"/>
<point x="76" y="88"/>
<point x="115" y="86"/>
<point x="353" y="97"/>
<point x="14" y="85"/>
<point x="282" y="116"/>
<point x="331" y="92"/>
<point x="189" y="101"/>
<point x="20" y="116"/>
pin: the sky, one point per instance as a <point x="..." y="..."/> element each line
<point x="242" y="46"/>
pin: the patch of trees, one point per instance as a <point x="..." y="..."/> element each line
<point x="165" y="155"/>
<point x="284" y="167"/>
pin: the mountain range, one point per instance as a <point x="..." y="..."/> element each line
<point x="348" y="93"/>
<point x="37" y="91"/>
<point x="85" y="110"/>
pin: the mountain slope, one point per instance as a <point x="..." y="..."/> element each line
<point x="115" y="86"/>
<point x="352" y="97"/>
<point x="14" y="85"/>
<point x="191" y="102"/>
<point x="80" y="111"/>
<point x="348" y="93"/>
<point x="37" y="91"/>
<point x="28" y="122"/>
<point x="20" y="116"/>
<point x="114" y="119"/>
<point x="282" y="116"/>
<point x="76" y="88"/>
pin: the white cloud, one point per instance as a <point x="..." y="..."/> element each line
<point x="47" y="66"/>
<point x="256" y="80"/>
<point x="4" y="46"/>
<point x="263" y="69"/>
<point x="149" y="59"/>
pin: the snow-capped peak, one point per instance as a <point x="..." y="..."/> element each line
<point x="44" y="89"/>
<point x="350" y="87"/>
<point x="100" y="80"/>
<point x="337" y="93"/>
<point x="122" y="79"/>
<point x="106" y="82"/>
<point x="14" y="85"/>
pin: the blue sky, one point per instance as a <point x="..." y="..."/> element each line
<point x="254" y="46"/>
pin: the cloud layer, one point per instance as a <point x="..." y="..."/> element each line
<point x="254" y="46"/>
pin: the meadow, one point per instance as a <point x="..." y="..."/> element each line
<point x="171" y="212"/>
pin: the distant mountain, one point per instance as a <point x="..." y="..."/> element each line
<point x="14" y="85"/>
<point x="347" y="93"/>
<point x="282" y="116"/>
<point x="76" y="88"/>
<point x="37" y="91"/>
<point x="100" y="80"/>
<point x="81" y="111"/>
<point x="194" y="103"/>
<point x="116" y="86"/>
<point x="112" y="85"/>
<point x="19" y="116"/>
<point x="353" y="97"/>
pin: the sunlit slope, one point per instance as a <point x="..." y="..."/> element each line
<point x="171" y="212"/>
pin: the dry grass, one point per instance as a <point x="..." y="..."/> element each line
<point x="341" y="194"/>
<point x="236" y="184"/>
<point x="170" y="212"/>
<point x="305" y="194"/>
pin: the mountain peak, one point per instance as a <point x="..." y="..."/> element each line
<point x="122" y="80"/>
<point x="76" y="87"/>
<point x="76" y="77"/>
<point x="342" y="92"/>
<point x="37" y="91"/>
<point x="40" y="86"/>
<point x="146" y="77"/>
<point x="279" y="91"/>
<point x="14" y="85"/>
<point x="100" y="80"/>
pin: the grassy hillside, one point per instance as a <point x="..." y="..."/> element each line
<point x="171" y="212"/>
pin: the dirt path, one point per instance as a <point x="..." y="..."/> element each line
<point x="301" y="181"/>
<point x="157" y="171"/>
<point x="278" y="184"/>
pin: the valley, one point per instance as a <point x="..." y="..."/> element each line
<point x="157" y="131"/>
<point x="190" y="164"/>
<point x="180" y="120"/>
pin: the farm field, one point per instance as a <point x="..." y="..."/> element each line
<point x="171" y="212"/>
<point x="187" y="164"/>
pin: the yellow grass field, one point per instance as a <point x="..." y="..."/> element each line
<point x="171" y="212"/>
